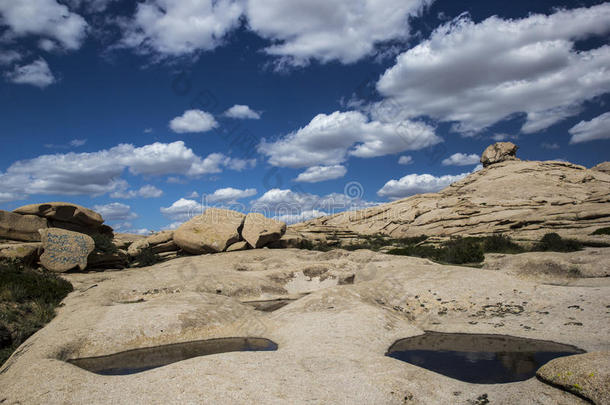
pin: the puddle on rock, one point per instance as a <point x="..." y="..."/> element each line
<point x="479" y="358"/>
<point x="138" y="360"/>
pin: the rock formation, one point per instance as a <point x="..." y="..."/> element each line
<point x="259" y="231"/>
<point x="68" y="216"/>
<point x="65" y="250"/>
<point x="602" y="167"/>
<point x="524" y="199"/>
<point x="21" y="227"/>
<point x="211" y="232"/>
<point x="499" y="152"/>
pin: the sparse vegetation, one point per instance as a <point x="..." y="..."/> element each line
<point x="501" y="244"/>
<point x="602" y="231"/>
<point x="552" y="242"/>
<point x="104" y="243"/>
<point x="454" y="251"/>
<point x="146" y="258"/>
<point x="27" y="302"/>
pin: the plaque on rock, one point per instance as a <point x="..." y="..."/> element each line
<point x="64" y="250"/>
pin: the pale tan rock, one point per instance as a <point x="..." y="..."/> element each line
<point x="334" y="338"/>
<point x="602" y="167"/>
<point x="21" y="227"/>
<point x="260" y="231"/>
<point x="65" y="250"/>
<point x="159" y="243"/>
<point x="522" y="199"/>
<point x="586" y="375"/>
<point x="137" y="246"/>
<point x="237" y="246"/>
<point x="213" y="231"/>
<point x="291" y="239"/>
<point x="124" y="240"/>
<point x="26" y="253"/>
<point x="105" y="260"/>
<point x="62" y="211"/>
<point x="499" y="152"/>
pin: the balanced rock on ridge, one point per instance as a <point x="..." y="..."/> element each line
<point x="65" y="250"/>
<point x="499" y="152"/>
<point x="260" y="231"/>
<point x="21" y="227"/>
<point x="212" y="232"/>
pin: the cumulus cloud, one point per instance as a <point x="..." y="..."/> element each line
<point x="317" y="174"/>
<point x="98" y="173"/>
<point x="550" y="146"/>
<point x="91" y="6"/>
<point x="193" y="121"/>
<point x="8" y="57"/>
<point x="243" y="112"/>
<point x="328" y="30"/>
<point x="461" y="159"/>
<point x="597" y="128"/>
<point x="330" y="139"/>
<point x="476" y="74"/>
<point x="300" y="217"/>
<point x="229" y="194"/>
<point x="174" y="28"/>
<point x="417" y="184"/>
<point x="45" y="18"/>
<point x="147" y="191"/>
<point x="115" y="212"/>
<point x="405" y="160"/>
<point x="182" y="210"/>
<point x="36" y="74"/>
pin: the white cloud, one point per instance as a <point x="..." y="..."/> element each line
<point x="182" y="210"/>
<point x="301" y="217"/>
<point x="597" y="128"/>
<point x="193" y="121"/>
<point x="229" y="194"/>
<point x="77" y="142"/>
<point x="174" y="28"/>
<point x="328" y="30"/>
<point x="329" y="139"/>
<point x="36" y="73"/>
<point x="317" y="174"/>
<point x="92" y="6"/>
<point x="405" y="160"/>
<point x="98" y="173"/>
<point x="416" y="184"/>
<point x="242" y="112"/>
<point x="8" y="57"/>
<point x="461" y="159"/>
<point x="147" y="191"/>
<point x="115" y="212"/>
<point x="46" y="18"/>
<point x="550" y="146"/>
<point x="478" y="74"/>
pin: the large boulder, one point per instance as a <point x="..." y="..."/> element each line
<point x="26" y="253"/>
<point x="63" y="212"/>
<point x="586" y="375"/>
<point x="161" y="242"/>
<point x="260" y="231"/>
<point x="499" y="152"/>
<point x="65" y="250"/>
<point x="21" y="227"/>
<point x="213" y="231"/>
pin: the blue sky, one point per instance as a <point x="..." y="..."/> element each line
<point x="147" y="110"/>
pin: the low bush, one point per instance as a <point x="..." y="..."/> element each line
<point x="104" y="243"/>
<point x="27" y="302"/>
<point x="146" y="258"/>
<point x="552" y="242"/>
<point x="454" y="251"/>
<point x="602" y="231"/>
<point x="501" y="244"/>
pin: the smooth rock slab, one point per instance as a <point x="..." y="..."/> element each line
<point x="65" y="250"/>
<point x="260" y="231"/>
<point x="212" y="232"/>
<point x="21" y="227"/>
<point x="586" y="375"/>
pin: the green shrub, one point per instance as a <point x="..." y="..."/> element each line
<point x="500" y="244"/>
<point x="147" y="257"/>
<point x="552" y="242"/>
<point x="462" y="250"/>
<point x="104" y="243"/>
<point x="27" y="302"/>
<point x="602" y="231"/>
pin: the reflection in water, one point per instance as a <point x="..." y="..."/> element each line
<point x="138" y="360"/>
<point x="478" y="358"/>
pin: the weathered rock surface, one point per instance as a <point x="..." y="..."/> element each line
<point x="213" y="231"/>
<point x="348" y="308"/>
<point x="124" y="240"/>
<point x="65" y="250"/>
<point x="523" y="199"/>
<point x="602" y="167"/>
<point x="107" y="260"/>
<point x="26" y="253"/>
<point x="21" y="227"/>
<point x="63" y="212"/>
<point x="159" y="243"/>
<point x="260" y="231"/>
<point x="499" y="152"/>
<point x="586" y="375"/>
<point x="237" y="246"/>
